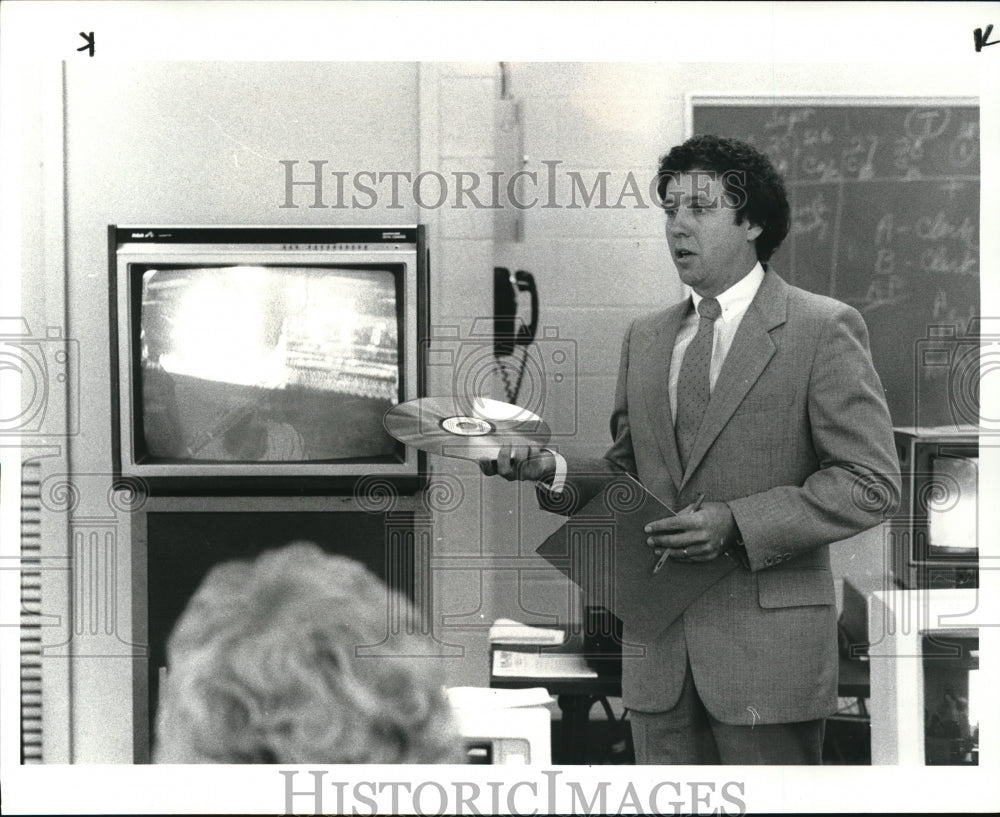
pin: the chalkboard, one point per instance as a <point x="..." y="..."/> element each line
<point x="885" y="217"/>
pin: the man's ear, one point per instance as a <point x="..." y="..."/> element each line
<point x="753" y="230"/>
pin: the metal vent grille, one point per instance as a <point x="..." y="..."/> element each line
<point x="31" y="612"/>
<point x="334" y="247"/>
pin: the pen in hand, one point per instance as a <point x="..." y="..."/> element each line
<point x="666" y="552"/>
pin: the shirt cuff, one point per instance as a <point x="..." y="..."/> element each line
<point x="559" y="477"/>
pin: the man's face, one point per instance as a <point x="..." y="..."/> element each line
<point x="710" y="250"/>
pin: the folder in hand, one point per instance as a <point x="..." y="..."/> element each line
<point x="603" y="549"/>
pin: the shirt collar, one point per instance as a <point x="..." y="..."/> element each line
<point x="736" y="299"/>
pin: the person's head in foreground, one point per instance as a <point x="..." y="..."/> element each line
<point x="290" y="659"/>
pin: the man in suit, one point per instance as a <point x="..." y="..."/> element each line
<point x="761" y="397"/>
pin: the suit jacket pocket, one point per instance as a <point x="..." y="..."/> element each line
<point x="786" y="587"/>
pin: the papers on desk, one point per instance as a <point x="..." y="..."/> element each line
<point x="520" y="664"/>
<point x="508" y="631"/>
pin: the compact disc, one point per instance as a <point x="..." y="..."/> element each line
<point x="470" y="428"/>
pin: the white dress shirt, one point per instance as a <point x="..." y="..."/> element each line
<point x="734" y="303"/>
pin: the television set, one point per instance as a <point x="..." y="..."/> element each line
<point x="263" y="359"/>
<point x="933" y="537"/>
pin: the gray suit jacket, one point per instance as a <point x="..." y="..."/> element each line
<point x="797" y="440"/>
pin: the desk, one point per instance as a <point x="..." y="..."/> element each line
<point x="848" y="731"/>
<point x="564" y="672"/>
<point x="854" y="680"/>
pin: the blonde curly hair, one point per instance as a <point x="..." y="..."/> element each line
<point x="291" y="659"/>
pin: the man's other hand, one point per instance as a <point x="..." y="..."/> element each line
<point x="521" y="462"/>
<point x="698" y="536"/>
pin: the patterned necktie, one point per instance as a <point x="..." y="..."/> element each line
<point x="693" y="383"/>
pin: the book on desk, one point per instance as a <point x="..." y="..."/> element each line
<point x="527" y="663"/>
<point x="526" y="651"/>
<point x="517" y="651"/>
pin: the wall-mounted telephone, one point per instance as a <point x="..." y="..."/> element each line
<point x="509" y="328"/>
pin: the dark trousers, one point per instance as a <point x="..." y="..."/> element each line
<point x="689" y="735"/>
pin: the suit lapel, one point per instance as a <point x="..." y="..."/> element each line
<point x="654" y="363"/>
<point x="750" y="352"/>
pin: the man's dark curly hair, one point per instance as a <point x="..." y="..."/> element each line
<point x="753" y="186"/>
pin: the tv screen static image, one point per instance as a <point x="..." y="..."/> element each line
<point x="953" y="522"/>
<point x="268" y="363"/>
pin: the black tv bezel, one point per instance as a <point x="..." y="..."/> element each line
<point x="303" y="480"/>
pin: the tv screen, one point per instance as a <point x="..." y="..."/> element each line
<point x="953" y="523"/>
<point x="934" y="535"/>
<point x="268" y="363"/>
<point x="263" y="359"/>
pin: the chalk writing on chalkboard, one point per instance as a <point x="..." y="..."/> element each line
<point x="885" y="215"/>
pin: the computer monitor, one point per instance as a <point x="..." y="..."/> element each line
<point x="933" y="537"/>
<point x="495" y="734"/>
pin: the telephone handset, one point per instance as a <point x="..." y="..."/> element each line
<point x="509" y="330"/>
